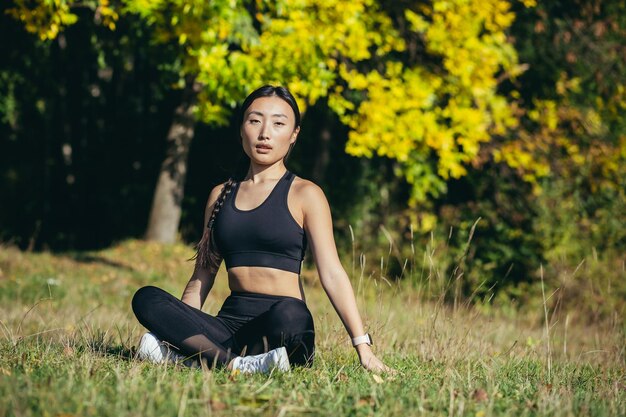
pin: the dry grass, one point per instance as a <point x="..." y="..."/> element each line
<point x="68" y="335"/>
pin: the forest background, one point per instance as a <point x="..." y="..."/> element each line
<point x="473" y="153"/>
<point x="490" y="135"/>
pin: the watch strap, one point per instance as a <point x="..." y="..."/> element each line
<point x="359" y="340"/>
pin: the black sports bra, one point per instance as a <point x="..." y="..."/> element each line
<point x="267" y="235"/>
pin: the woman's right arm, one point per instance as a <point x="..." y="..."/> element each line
<point x="202" y="279"/>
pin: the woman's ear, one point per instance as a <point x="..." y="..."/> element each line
<point x="294" y="135"/>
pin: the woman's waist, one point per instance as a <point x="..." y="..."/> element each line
<point x="264" y="280"/>
<point x="245" y="304"/>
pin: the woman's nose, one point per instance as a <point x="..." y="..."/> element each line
<point x="264" y="133"/>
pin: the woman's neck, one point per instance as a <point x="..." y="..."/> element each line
<point x="261" y="173"/>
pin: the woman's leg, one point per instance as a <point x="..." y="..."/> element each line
<point x="186" y="328"/>
<point x="287" y="323"/>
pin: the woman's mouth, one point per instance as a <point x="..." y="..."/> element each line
<point x="263" y="148"/>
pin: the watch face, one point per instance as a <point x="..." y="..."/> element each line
<point x="369" y="336"/>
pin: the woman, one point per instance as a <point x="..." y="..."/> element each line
<point x="260" y="227"/>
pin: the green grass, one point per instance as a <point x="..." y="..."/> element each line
<point x="68" y="338"/>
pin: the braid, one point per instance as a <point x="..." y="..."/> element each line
<point x="206" y="251"/>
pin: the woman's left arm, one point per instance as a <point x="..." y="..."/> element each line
<point x="319" y="228"/>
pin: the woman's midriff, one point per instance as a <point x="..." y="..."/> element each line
<point x="263" y="280"/>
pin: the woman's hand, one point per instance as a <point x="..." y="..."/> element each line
<point x="370" y="362"/>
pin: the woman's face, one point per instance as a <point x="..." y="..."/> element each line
<point x="268" y="130"/>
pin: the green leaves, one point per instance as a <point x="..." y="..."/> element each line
<point x="432" y="117"/>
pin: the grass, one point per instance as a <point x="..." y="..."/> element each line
<point x="68" y="338"/>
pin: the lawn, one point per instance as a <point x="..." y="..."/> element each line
<point x="69" y="335"/>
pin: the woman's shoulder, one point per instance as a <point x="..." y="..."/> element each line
<point x="307" y="191"/>
<point x="217" y="191"/>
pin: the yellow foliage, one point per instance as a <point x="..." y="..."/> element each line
<point x="432" y="119"/>
<point x="420" y="114"/>
<point x="47" y="18"/>
<point x="554" y="145"/>
<point x="529" y="3"/>
<point x="301" y="45"/>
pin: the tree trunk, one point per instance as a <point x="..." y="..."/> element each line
<point x="168" y="196"/>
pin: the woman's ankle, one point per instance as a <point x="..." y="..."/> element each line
<point x="230" y="364"/>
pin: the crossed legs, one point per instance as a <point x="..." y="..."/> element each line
<point x="287" y="322"/>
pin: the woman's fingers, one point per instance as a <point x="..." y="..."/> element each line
<point x="374" y="364"/>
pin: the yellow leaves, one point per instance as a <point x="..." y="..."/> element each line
<point x="433" y="118"/>
<point x="529" y="3"/>
<point x="355" y="79"/>
<point x="300" y="46"/>
<point x="43" y="18"/>
<point x="331" y="27"/>
<point x="106" y="15"/>
<point x="47" y="19"/>
<point x="68" y="19"/>
<point x="426" y="222"/>
<point x="470" y="38"/>
<point x="545" y="114"/>
<point x="339" y="104"/>
<point x="501" y="19"/>
<point x="417" y="22"/>
<point x="224" y="29"/>
<point x="593" y="123"/>
<point x="392" y="121"/>
<point x="554" y="145"/>
<point x="428" y="116"/>
<point x="566" y="85"/>
<point x="517" y="157"/>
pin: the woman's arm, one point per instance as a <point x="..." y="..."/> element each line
<point x="202" y="279"/>
<point x="334" y="279"/>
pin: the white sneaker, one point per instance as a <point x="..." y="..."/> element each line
<point x="153" y="350"/>
<point x="263" y="363"/>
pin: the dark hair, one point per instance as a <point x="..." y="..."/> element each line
<point x="272" y="91"/>
<point x="207" y="254"/>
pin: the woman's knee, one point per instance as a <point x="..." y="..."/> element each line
<point x="144" y="299"/>
<point x="291" y="315"/>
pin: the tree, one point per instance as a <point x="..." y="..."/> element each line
<point x="294" y="43"/>
<point x="224" y="49"/>
<point x="571" y="142"/>
<point x="432" y="108"/>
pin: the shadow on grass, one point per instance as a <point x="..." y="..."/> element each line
<point x="108" y="349"/>
<point x="93" y="259"/>
<point x="102" y="343"/>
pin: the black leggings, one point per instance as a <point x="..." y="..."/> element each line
<point x="247" y="324"/>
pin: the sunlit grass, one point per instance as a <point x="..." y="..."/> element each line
<point x="68" y="338"/>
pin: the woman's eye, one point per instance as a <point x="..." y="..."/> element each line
<point x="279" y="123"/>
<point x="254" y="121"/>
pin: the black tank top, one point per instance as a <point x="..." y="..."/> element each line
<point x="267" y="235"/>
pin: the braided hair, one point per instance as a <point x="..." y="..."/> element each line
<point x="207" y="254"/>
